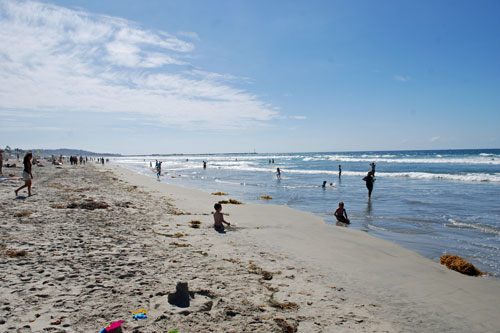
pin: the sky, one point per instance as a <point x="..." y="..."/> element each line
<point x="161" y="76"/>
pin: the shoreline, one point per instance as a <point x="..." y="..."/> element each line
<point x="88" y="268"/>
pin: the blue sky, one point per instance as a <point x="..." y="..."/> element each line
<point x="234" y="76"/>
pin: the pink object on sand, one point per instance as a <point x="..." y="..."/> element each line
<point x="114" y="325"/>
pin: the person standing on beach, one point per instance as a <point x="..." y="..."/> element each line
<point x="369" y="179"/>
<point x="340" y="170"/>
<point x="27" y="175"/>
<point x="158" y="170"/>
<point x="1" y="160"/>
<point x="278" y="173"/>
<point x="373" y="168"/>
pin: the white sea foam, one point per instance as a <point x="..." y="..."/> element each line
<point x="479" y="227"/>
<point x="433" y="160"/>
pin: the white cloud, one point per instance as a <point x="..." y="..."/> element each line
<point x="189" y="34"/>
<point x="435" y="138"/>
<point x="402" y="78"/>
<point x="299" y="117"/>
<point x="58" y="59"/>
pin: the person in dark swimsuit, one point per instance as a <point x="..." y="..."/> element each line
<point x="369" y="179"/>
<point x="341" y="214"/>
<point x="27" y="175"/>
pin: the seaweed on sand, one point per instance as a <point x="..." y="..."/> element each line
<point x="282" y="305"/>
<point x="458" y="264"/>
<point x="195" y="224"/>
<point x="219" y="193"/>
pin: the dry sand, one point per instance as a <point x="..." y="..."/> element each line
<point x="75" y="269"/>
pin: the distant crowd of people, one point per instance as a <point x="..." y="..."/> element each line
<point x="29" y="160"/>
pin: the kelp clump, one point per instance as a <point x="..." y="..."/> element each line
<point x="195" y="224"/>
<point x="230" y="201"/>
<point x="458" y="264"/>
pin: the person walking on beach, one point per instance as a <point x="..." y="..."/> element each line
<point x="340" y="170"/>
<point x="278" y="173"/>
<point x="373" y="168"/>
<point x="158" y="170"/>
<point x="369" y="179"/>
<point x="27" y="175"/>
<point x="341" y="214"/>
<point x="219" y="218"/>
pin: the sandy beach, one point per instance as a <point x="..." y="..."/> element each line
<point x="95" y="244"/>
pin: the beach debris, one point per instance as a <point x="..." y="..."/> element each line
<point x="90" y="204"/>
<point x="22" y="214"/>
<point x="182" y="296"/>
<point x="282" y="305"/>
<point x="266" y="197"/>
<point x="114" y="327"/>
<point x="285" y="326"/>
<point x="177" y="235"/>
<point x="230" y="201"/>
<point x="15" y="253"/>
<point x="266" y="275"/>
<point x="175" y="211"/>
<point x="195" y="224"/>
<point x="84" y="189"/>
<point x="219" y="193"/>
<point x="458" y="264"/>
<point x="124" y="204"/>
<point x="179" y="244"/>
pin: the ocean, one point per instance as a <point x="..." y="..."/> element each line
<point x="433" y="202"/>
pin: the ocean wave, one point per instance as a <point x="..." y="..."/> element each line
<point x="430" y="160"/>
<point x="476" y="226"/>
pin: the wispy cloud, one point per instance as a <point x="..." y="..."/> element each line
<point x="54" y="59"/>
<point x="435" y="138"/>
<point x="299" y="117"/>
<point x="401" y="78"/>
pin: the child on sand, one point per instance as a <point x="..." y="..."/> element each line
<point x="219" y="218"/>
<point x="341" y="214"/>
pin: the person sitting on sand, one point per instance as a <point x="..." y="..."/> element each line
<point x="219" y="218"/>
<point x="341" y="214"/>
<point x="27" y="175"/>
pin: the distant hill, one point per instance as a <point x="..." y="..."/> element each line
<point x="67" y="152"/>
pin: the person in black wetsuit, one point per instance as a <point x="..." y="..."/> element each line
<point x="369" y="179"/>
